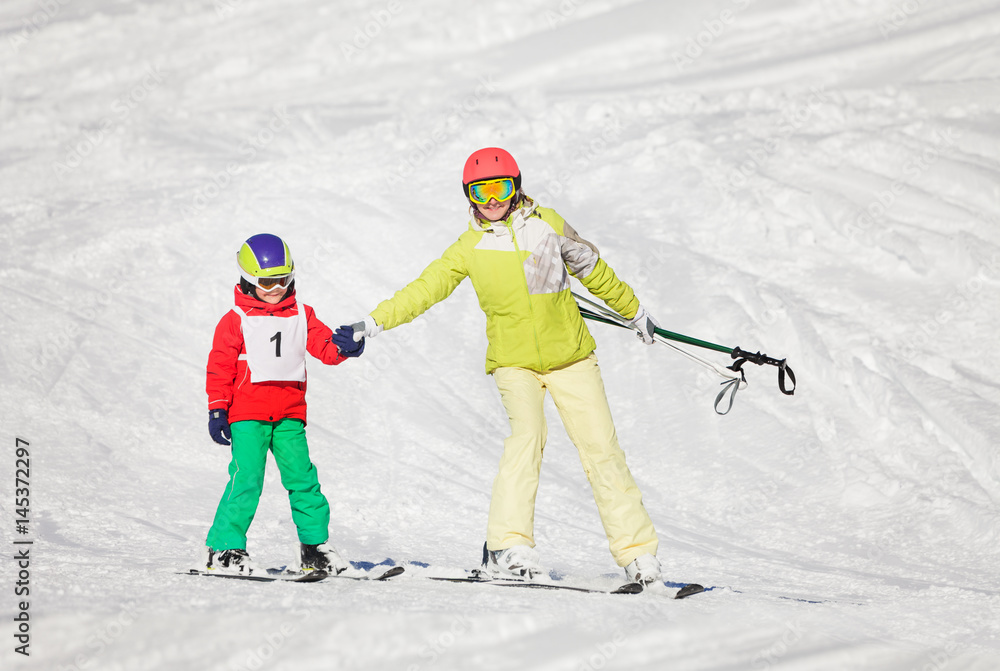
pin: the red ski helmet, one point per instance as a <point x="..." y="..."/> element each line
<point x="490" y="163"/>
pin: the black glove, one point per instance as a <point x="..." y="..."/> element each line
<point x="218" y="426"/>
<point x="343" y="338"/>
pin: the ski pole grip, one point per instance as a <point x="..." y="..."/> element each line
<point x="784" y="371"/>
<point x="757" y="358"/>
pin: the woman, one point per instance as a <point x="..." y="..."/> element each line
<point x="519" y="257"/>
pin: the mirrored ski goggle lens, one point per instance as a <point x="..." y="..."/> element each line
<point x="501" y="189"/>
<point x="272" y="283"/>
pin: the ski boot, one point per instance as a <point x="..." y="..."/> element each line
<point x="322" y="557"/>
<point x="515" y="563"/>
<point x="229" y="561"/>
<point x="645" y="570"/>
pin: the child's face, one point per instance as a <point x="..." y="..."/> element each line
<point x="272" y="297"/>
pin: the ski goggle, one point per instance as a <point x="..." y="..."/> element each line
<point x="269" y="284"/>
<point x="501" y="189"/>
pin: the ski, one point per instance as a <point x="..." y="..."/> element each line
<point x="372" y="574"/>
<point x="476" y="576"/>
<point x="690" y="590"/>
<point x="311" y="576"/>
<point x="627" y="588"/>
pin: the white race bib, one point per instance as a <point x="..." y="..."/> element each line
<point x="276" y="346"/>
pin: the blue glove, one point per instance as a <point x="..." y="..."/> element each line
<point x="218" y="426"/>
<point x="343" y="338"/>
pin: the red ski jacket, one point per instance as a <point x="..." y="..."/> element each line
<point x="228" y="381"/>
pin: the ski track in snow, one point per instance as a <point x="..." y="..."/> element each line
<point x="815" y="180"/>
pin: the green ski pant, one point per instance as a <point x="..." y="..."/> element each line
<point x="286" y="439"/>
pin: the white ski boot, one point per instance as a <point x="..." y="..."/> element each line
<point x="515" y="563"/>
<point x="645" y="570"/>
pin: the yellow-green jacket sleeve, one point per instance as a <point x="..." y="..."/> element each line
<point x="584" y="262"/>
<point x="618" y="295"/>
<point x="436" y="282"/>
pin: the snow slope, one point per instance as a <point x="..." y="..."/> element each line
<point x="816" y="180"/>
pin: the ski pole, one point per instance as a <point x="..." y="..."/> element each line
<point x="606" y="316"/>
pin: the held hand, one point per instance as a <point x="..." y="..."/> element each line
<point x="344" y="339"/>
<point x="643" y="323"/>
<point x="366" y="328"/>
<point x="218" y="426"/>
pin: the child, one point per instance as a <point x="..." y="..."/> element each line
<point x="256" y="396"/>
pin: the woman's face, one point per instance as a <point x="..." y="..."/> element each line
<point x="494" y="210"/>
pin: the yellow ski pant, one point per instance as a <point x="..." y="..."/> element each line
<point x="578" y="393"/>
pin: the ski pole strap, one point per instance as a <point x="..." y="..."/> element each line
<point x="731" y="386"/>
<point x="742" y="357"/>
<point x="784" y="370"/>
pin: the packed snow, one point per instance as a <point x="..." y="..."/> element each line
<point x="816" y="180"/>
